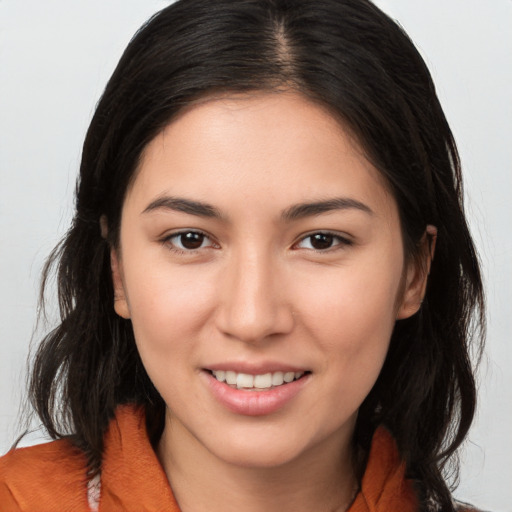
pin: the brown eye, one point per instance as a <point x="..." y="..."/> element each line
<point x="189" y="241"/>
<point x="323" y="241"/>
<point x="192" y="240"/>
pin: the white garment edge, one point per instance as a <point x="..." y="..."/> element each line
<point x="94" y="492"/>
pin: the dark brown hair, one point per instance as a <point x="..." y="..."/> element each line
<point x="350" y="57"/>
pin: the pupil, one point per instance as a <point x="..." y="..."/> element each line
<point x="192" y="240"/>
<point x="321" y="241"/>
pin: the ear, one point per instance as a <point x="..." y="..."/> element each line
<point x="417" y="275"/>
<point x="120" y="302"/>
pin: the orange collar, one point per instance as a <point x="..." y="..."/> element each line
<point x="384" y="486"/>
<point x="52" y="477"/>
<point x="133" y="479"/>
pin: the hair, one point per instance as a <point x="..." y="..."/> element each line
<point x="353" y="59"/>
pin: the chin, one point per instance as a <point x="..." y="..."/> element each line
<point x="258" y="457"/>
<point x="260" y="448"/>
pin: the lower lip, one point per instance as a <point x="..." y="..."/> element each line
<point x="255" y="403"/>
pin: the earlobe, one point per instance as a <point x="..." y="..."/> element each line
<point x="120" y="302"/>
<point x="417" y="276"/>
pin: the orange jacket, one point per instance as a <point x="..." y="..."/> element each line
<point x="52" y="477"/>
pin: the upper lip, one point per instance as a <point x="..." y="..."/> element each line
<point x="252" y="368"/>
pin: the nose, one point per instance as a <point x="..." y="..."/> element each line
<point x="253" y="303"/>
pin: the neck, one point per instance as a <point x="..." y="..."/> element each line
<point x="320" y="479"/>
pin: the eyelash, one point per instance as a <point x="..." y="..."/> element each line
<point x="341" y="241"/>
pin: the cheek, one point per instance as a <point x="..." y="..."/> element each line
<point x="351" y="314"/>
<point x="168" y="309"/>
<point x="352" y="326"/>
<point x="356" y="299"/>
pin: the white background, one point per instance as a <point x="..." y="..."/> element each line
<point x="55" y="58"/>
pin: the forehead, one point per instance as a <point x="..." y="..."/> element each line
<point x="262" y="144"/>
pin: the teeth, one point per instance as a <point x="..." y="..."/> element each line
<point x="277" y="378"/>
<point x="263" y="381"/>
<point x="244" y="380"/>
<point x="230" y="377"/>
<point x="289" y="376"/>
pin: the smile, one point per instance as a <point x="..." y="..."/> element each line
<point x="251" y="394"/>
<point x="257" y="382"/>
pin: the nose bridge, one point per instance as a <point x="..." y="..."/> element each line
<point x="254" y="303"/>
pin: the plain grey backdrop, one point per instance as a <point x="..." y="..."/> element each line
<point x="55" y="58"/>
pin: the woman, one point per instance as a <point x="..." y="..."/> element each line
<point x="268" y="289"/>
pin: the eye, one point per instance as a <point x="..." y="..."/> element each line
<point x="187" y="241"/>
<point x="322" y="241"/>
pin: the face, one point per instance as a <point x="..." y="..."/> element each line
<point x="261" y="264"/>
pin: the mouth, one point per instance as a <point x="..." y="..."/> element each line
<point x="259" y="382"/>
<point x="255" y="391"/>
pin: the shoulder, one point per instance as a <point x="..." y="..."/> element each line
<point x="42" y="477"/>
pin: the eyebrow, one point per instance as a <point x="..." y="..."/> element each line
<point x="302" y="210"/>
<point x="294" y="212"/>
<point x="180" y="204"/>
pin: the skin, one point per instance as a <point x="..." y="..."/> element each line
<point x="256" y="292"/>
